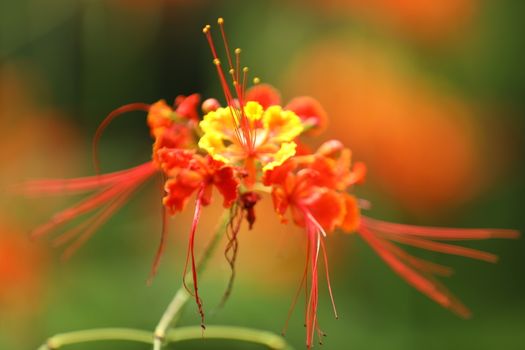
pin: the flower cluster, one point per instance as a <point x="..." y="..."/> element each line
<point x="248" y="148"/>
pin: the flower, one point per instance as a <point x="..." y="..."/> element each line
<point x="249" y="148"/>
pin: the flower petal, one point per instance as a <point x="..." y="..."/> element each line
<point x="286" y="151"/>
<point x="283" y="125"/>
<point x="265" y="94"/>
<point x="310" y="111"/>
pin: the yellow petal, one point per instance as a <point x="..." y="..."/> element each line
<point x="219" y="122"/>
<point x="286" y="151"/>
<point x="212" y="143"/>
<point x="282" y="125"/>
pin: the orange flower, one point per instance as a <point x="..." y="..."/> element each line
<point x="253" y="141"/>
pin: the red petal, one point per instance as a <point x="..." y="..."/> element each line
<point x="280" y="202"/>
<point x="278" y="175"/>
<point x="265" y="94"/>
<point x="328" y="210"/>
<point x="227" y="185"/>
<point x="188" y="106"/>
<point x="174" y="159"/>
<point x="177" y="195"/>
<point x="310" y="111"/>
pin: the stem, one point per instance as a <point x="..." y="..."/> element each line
<point x="161" y="334"/>
<point x="268" y="339"/>
<point x="182" y="296"/>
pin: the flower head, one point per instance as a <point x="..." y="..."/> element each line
<point x="244" y="150"/>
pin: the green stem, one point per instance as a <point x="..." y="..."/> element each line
<point x="268" y="339"/>
<point x="161" y="334"/>
<point x="182" y="296"/>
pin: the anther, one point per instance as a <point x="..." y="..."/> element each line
<point x="216" y="62"/>
<point x="206" y="29"/>
<point x="256" y="80"/>
<point x="237" y="51"/>
<point x="220" y="20"/>
<point x="231" y="71"/>
<point x="245" y="69"/>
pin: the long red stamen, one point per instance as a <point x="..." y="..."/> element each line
<point x="418" y="279"/>
<point x="325" y="258"/>
<point x="311" y="314"/>
<point x="450" y="234"/>
<point x="420" y="264"/>
<point x="111" y="116"/>
<point x="242" y="125"/>
<point x="161" y="247"/>
<point x="105" y="195"/>
<point x="78" y="185"/>
<point x="99" y="221"/>
<point x="299" y="289"/>
<point x="163" y="235"/>
<point x="443" y="247"/>
<point x="191" y="255"/>
<point x="93" y="223"/>
<point x="83" y="207"/>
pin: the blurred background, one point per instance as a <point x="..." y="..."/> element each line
<point x="428" y="93"/>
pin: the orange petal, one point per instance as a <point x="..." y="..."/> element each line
<point x="177" y="195"/>
<point x="352" y="214"/>
<point x="227" y="185"/>
<point x="310" y="111"/>
<point x="187" y="106"/>
<point x="328" y="209"/>
<point x="265" y="94"/>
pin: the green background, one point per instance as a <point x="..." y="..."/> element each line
<point x="93" y="56"/>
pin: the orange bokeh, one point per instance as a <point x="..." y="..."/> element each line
<point x="420" y="143"/>
<point x="427" y="20"/>
<point x="22" y="268"/>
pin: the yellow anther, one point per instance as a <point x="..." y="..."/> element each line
<point x="256" y="80"/>
<point x="206" y="29"/>
<point x="231" y="71"/>
<point x="235" y="82"/>
<point x="245" y="69"/>
<point x="220" y="20"/>
<point x="237" y="51"/>
<point x="216" y="61"/>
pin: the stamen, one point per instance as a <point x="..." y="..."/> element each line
<point x="237" y="60"/>
<point x="220" y="21"/>
<point x="256" y="80"/>
<point x="163" y="236"/>
<point x="323" y="248"/>
<point x="241" y="122"/>
<point x="302" y="284"/>
<point x="111" y="116"/>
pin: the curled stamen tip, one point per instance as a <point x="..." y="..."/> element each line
<point x="237" y="51"/>
<point x="216" y="61"/>
<point x="256" y="80"/>
<point x="220" y="20"/>
<point x="206" y="28"/>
